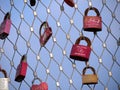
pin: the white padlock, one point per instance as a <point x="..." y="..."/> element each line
<point x="4" y="81"/>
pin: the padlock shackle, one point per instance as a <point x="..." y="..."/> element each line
<point x="36" y="79"/>
<point x="4" y="72"/>
<point x="88" y="67"/>
<point x="92" y="8"/>
<point x="83" y="38"/>
<point x="43" y="24"/>
<point x="7" y="16"/>
<point x="24" y="58"/>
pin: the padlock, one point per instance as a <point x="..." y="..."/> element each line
<point x="70" y="2"/>
<point x="46" y="34"/>
<point x="4" y="81"/>
<point x="89" y="78"/>
<point x="32" y="2"/>
<point x="41" y="86"/>
<point x="21" y="69"/>
<point x="92" y="23"/>
<point x="81" y="52"/>
<point x="5" y="26"/>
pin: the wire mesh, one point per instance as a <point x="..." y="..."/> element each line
<point x="51" y="63"/>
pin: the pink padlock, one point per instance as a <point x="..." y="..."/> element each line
<point x="92" y="23"/>
<point x="5" y="26"/>
<point x="41" y="86"/>
<point x="21" y="69"/>
<point x="46" y="34"/>
<point x="81" y="52"/>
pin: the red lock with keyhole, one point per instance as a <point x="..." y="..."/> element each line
<point x="21" y="69"/>
<point x="81" y="52"/>
<point x="46" y="34"/>
<point x="92" y="23"/>
<point x="5" y="26"/>
<point x="41" y="86"/>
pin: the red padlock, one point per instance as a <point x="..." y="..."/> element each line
<point x="41" y="86"/>
<point x="46" y="34"/>
<point x="92" y="23"/>
<point x="81" y="52"/>
<point x="5" y="26"/>
<point x="70" y="2"/>
<point x="21" y="69"/>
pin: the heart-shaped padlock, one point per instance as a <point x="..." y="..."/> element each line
<point x="21" y="69"/>
<point x="81" y="52"/>
<point x="41" y="86"/>
<point x="92" y="23"/>
<point x="5" y="26"/>
<point x="89" y="78"/>
<point x="4" y="81"/>
<point x="46" y="34"/>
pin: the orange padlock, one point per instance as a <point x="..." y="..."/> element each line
<point x="89" y="78"/>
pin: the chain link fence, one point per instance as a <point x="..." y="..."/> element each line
<point x="52" y="63"/>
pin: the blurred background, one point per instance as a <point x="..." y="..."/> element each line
<point x="52" y="63"/>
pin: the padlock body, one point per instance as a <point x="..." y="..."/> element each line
<point x="89" y="79"/>
<point x="80" y="52"/>
<point x="4" y="84"/>
<point x="41" y="86"/>
<point x="70" y="2"/>
<point x="45" y="37"/>
<point x="35" y="87"/>
<point x="92" y="23"/>
<point x="5" y="28"/>
<point x="21" y="71"/>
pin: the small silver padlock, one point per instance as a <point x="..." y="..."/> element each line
<point x="4" y="81"/>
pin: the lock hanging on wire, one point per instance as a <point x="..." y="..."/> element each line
<point x="5" y="26"/>
<point x="81" y="52"/>
<point x="21" y="69"/>
<point x="46" y="34"/>
<point x="4" y="82"/>
<point x="92" y="23"/>
<point x="89" y="78"/>
<point x="41" y="86"/>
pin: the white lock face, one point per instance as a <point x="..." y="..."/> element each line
<point x="4" y="84"/>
